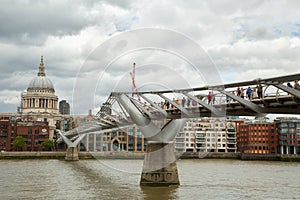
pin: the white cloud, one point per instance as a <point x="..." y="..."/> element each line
<point x="245" y="40"/>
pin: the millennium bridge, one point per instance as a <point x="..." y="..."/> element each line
<point x="121" y="110"/>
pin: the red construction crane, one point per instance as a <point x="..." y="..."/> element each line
<point x="134" y="88"/>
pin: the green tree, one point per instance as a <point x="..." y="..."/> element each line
<point x="19" y="142"/>
<point x="48" y="144"/>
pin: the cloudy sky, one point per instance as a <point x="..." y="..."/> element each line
<point x="89" y="46"/>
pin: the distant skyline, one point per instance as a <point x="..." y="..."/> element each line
<point x="244" y="39"/>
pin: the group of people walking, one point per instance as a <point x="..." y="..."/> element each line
<point x="296" y="85"/>
<point x="184" y="102"/>
<point x="249" y="93"/>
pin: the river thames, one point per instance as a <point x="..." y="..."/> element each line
<point x="119" y="179"/>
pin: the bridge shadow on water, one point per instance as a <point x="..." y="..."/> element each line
<point x="98" y="181"/>
<point x="150" y="193"/>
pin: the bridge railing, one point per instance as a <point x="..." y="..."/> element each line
<point x="270" y="87"/>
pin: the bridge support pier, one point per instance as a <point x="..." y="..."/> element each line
<point x="159" y="168"/>
<point x="72" y="154"/>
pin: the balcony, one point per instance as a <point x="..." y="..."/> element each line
<point x="231" y="141"/>
<point x="231" y="136"/>
<point x="200" y="140"/>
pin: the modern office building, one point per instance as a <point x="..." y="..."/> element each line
<point x="288" y="130"/>
<point x="129" y="139"/>
<point x="64" y="107"/>
<point x="207" y="135"/>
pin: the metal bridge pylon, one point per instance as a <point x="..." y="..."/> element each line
<point x="159" y="167"/>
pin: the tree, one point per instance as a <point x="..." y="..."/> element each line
<point x="19" y="142"/>
<point x="47" y="144"/>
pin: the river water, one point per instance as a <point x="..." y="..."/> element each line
<point x="119" y="179"/>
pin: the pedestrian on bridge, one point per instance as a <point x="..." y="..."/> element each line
<point x="289" y="85"/>
<point x="260" y="91"/>
<point x="242" y="93"/>
<point x="254" y="94"/>
<point x="249" y="93"/>
<point x="166" y="105"/>
<point x="183" y="102"/>
<point x="173" y="103"/>
<point x="188" y="102"/>
<point x="238" y="92"/>
<point x="297" y="86"/>
<point x="209" y="97"/>
<point x="177" y="101"/>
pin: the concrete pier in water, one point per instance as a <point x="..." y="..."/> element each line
<point x="159" y="168"/>
<point x="72" y="154"/>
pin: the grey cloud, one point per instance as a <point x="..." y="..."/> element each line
<point x="33" y="21"/>
<point x="235" y="34"/>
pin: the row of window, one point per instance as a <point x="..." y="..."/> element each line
<point x="33" y="136"/>
<point x="207" y="145"/>
<point x="289" y="124"/>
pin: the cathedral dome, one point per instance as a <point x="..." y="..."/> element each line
<point x="41" y="81"/>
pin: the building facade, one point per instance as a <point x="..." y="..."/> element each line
<point x="64" y="107"/>
<point x="206" y="135"/>
<point x="257" y="138"/>
<point x="7" y="131"/>
<point x="34" y="134"/>
<point x="39" y="102"/>
<point x="128" y="140"/>
<point x="288" y="130"/>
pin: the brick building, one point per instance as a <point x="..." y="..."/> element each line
<point x="257" y="138"/>
<point x="6" y="133"/>
<point x="33" y="133"/>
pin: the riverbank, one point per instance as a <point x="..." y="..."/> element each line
<point x="240" y="156"/>
<point x="139" y="155"/>
<point x="62" y="154"/>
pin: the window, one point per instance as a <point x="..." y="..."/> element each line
<point x="179" y="140"/>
